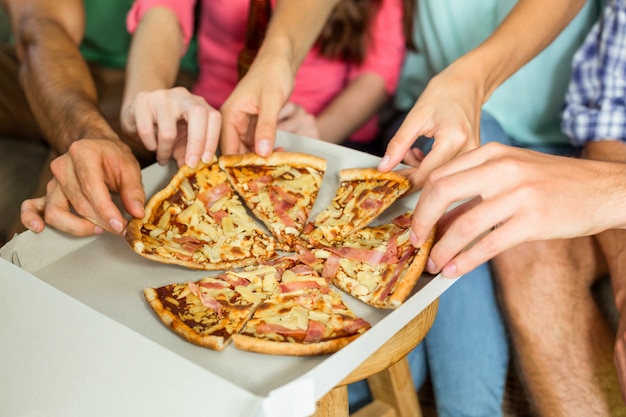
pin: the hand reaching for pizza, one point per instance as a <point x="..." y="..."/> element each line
<point x="295" y="119"/>
<point x="251" y="112"/>
<point x="78" y="198"/>
<point x="447" y="111"/>
<point x="175" y="123"/>
<point x="527" y="195"/>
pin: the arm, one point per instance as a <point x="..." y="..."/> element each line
<point x="250" y="114"/>
<point x="153" y="110"/>
<point x="449" y="108"/>
<point x="53" y="74"/>
<point x="527" y="195"/>
<point x="62" y="96"/>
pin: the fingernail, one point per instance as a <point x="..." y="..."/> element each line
<point x="384" y="161"/>
<point x="192" y="161"/>
<point x="98" y="230"/>
<point x="116" y="225"/>
<point x="206" y="157"/>
<point x="450" y="271"/>
<point x="34" y="226"/>
<point x="264" y="147"/>
<point x="430" y="266"/>
<point x="138" y="205"/>
<point x="413" y="238"/>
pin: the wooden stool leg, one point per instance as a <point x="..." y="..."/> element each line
<point x="333" y="404"/>
<point x="393" y="387"/>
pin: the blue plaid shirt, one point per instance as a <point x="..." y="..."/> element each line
<point x="595" y="103"/>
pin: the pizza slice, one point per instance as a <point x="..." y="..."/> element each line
<point x="198" y="221"/>
<point x="377" y="265"/>
<point x="363" y="194"/>
<point x="280" y="189"/>
<point x="210" y="311"/>
<point x="304" y="316"/>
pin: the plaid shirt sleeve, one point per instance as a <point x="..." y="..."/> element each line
<point x="595" y="102"/>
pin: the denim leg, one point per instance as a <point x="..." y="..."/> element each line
<point x="467" y="349"/>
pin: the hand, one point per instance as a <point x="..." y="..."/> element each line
<point x="449" y="112"/>
<point x="83" y="180"/>
<point x="174" y="123"/>
<point x="295" y="119"/>
<point x="527" y="195"/>
<point x="250" y="113"/>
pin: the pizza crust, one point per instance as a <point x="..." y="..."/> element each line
<point x="178" y="326"/>
<point x="369" y="174"/>
<point x="294" y="159"/>
<point x="270" y="347"/>
<point x="413" y="273"/>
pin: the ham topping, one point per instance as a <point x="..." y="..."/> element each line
<point x="282" y="202"/>
<point x="371" y="204"/>
<point x="259" y="183"/>
<point x="293" y="286"/>
<point x="189" y="243"/>
<point x="315" y="332"/>
<point x="205" y="298"/>
<point x="210" y="196"/>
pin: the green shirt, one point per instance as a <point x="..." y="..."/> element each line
<point x="107" y="41"/>
<point x="528" y="104"/>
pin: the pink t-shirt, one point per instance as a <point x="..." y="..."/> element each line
<point x="221" y="34"/>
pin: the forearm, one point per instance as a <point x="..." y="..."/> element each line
<point x="528" y="29"/>
<point x="294" y="28"/>
<point x="612" y="242"/>
<point x="155" y="53"/>
<point x="58" y="84"/>
<point x="359" y="101"/>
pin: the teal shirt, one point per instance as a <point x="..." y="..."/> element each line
<point x="106" y="41"/>
<point x="528" y="104"/>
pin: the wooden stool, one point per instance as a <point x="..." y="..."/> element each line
<point x="388" y="375"/>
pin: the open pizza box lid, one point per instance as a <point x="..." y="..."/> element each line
<point x="77" y="338"/>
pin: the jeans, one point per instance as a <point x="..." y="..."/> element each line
<point x="466" y="352"/>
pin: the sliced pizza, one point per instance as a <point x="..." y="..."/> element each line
<point x="304" y="316"/>
<point x="280" y="189"/>
<point x="363" y="194"/>
<point x="198" y="221"/>
<point x="377" y="265"/>
<point x="210" y="311"/>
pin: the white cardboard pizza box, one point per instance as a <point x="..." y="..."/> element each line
<point x="77" y="337"/>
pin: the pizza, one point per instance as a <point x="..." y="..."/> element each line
<point x="282" y="308"/>
<point x="377" y="265"/>
<point x="209" y="311"/>
<point x="280" y="189"/>
<point x="198" y="221"/>
<point x="304" y="316"/>
<point x="206" y="218"/>
<point x="363" y="194"/>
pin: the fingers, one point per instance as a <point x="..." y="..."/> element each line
<point x="265" y="132"/>
<point x="31" y="214"/>
<point x="471" y="239"/>
<point x="54" y="209"/>
<point x="212" y="136"/>
<point x="203" y="130"/>
<point x="411" y="128"/>
<point x="165" y="119"/>
<point x="88" y="195"/>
